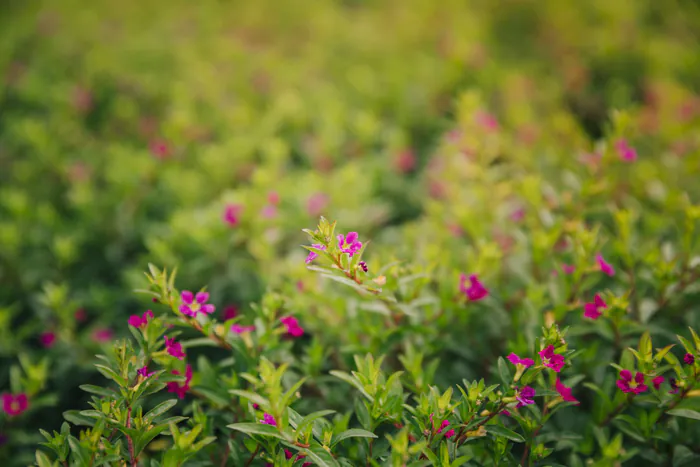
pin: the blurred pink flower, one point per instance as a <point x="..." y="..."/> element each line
<point x="14" y="405"/>
<point x="515" y="360"/>
<point x="269" y="211"/>
<point x="292" y="325"/>
<point x="657" y="382"/>
<point x="80" y="315"/>
<point x="176" y="388"/>
<point x="475" y="291"/>
<point x="268" y="420"/>
<point x="102" y="335"/>
<point x="593" y="310"/>
<point x="568" y="268"/>
<point x="565" y="392"/>
<point x="487" y="121"/>
<point x="47" y="339"/>
<point x="238" y="329"/>
<point x="230" y="312"/>
<point x="625" y="151"/>
<point x="405" y="161"/>
<point x="273" y="198"/>
<point x="174" y="348"/>
<point x="139" y="321"/>
<point x="232" y="213"/>
<point x="312" y="254"/>
<point x="159" y="148"/>
<point x="605" y="267"/>
<point x="316" y="204"/>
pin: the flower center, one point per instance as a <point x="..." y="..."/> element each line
<point x="14" y="406"/>
<point x="633" y="384"/>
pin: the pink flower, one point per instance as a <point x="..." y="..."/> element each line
<point x="405" y="161"/>
<point x="524" y="396"/>
<point x="232" y="214"/>
<point x="657" y="382"/>
<point x="443" y="425"/>
<point x="269" y="211"/>
<point x="193" y="304"/>
<point x="689" y="358"/>
<point x="174" y="348"/>
<point x="605" y="267"/>
<point x="268" y="420"/>
<point x="143" y="371"/>
<point x="568" y="268"/>
<point x="312" y="254"/>
<point x="273" y="198"/>
<point x="627" y="384"/>
<point x="552" y="360"/>
<point x="159" y="148"/>
<point x="450" y="433"/>
<point x="517" y="215"/>
<point x="487" y="121"/>
<point x="102" y="335"/>
<point x="505" y="412"/>
<point x="626" y="152"/>
<point x="565" y="392"/>
<point x="47" y="339"/>
<point x="238" y="329"/>
<point x="349" y="244"/>
<point x="476" y="291"/>
<point x="292" y="325"/>
<point x="80" y="315"/>
<point x="515" y="360"/>
<point x="593" y="310"/>
<point x="363" y="265"/>
<point x="316" y="204"/>
<point x="176" y="388"/>
<point x="138" y="321"/>
<point x="14" y="405"/>
<point x="230" y="312"/>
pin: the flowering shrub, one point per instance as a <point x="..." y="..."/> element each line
<point x="514" y="275"/>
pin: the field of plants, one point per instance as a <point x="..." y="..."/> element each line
<point x="350" y="233"/>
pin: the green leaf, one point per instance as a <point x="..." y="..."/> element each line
<point x="686" y="343"/>
<point x="100" y="391"/>
<point x="141" y="441"/>
<point x="321" y="457"/>
<point x="686" y="413"/>
<point x="251" y="396"/>
<point x="42" y="459"/>
<point x="351" y="380"/>
<point x="504" y="371"/>
<point x="75" y="418"/>
<point x="160" y="409"/>
<point x="261" y="429"/>
<point x="111" y="374"/>
<point x="309" y="419"/>
<point x="352" y="433"/>
<point x="213" y="396"/>
<point x="346" y="281"/>
<point x="505" y="432"/>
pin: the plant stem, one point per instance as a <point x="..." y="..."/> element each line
<point x="128" y="438"/>
<point x="528" y="445"/>
<point x="617" y="410"/>
<point x="252" y="456"/>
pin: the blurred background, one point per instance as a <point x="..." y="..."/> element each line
<point x="207" y="134"/>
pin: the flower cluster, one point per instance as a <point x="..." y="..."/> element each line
<point x="181" y="390"/>
<point x="140" y="321"/>
<point x="349" y="244"/>
<point x="193" y="304"/>
<point x="475" y="291"/>
<point x="292" y="326"/>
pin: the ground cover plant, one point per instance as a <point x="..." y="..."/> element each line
<point x="350" y="233"/>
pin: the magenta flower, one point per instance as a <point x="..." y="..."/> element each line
<point x="174" y="348"/>
<point x="524" y="396"/>
<point x="657" y="382"/>
<point x="450" y="433"/>
<point x="80" y="315"/>
<point x="268" y="420"/>
<point x="269" y="211"/>
<point x="312" y="254"/>
<point x="139" y="321"/>
<point x="238" y="329"/>
<point x="568" y="268"/>
<point x="316" y="204"/>
<point x="517" y="215"/>
<point x="565" y="392"/>
<point x="552" y="360"/>
<point x="626" y="152"/>
<point x="605" y="267"/>
<point x="176" y="388"/>
<point x="47" y="339"/>
<point x="14" y="405"/>
<point x="593" y="310"/>
<point x="143" y="371"/>
<point x="232" y="214"/>
<point x="443" y="425"/>
<point x="627" y="384"/>
<point x="363" y="265"/>
<point x="349" y="244"/>
<point x="505" y="412"/>
<point x="487" y="121"/>
<point x="689" y="358"/>
<point x="525" y="362"/>
<point x="273" y="198"/>
<point x="102" y="335"/>
<point x="160" y="148"/>
<point x="230" y="312"/>
<point x="475" y="291"/>
<point x="292" y="325"/>
<point x="193" y="304"/>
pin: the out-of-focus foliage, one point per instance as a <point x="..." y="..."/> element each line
<point x="458" y="136"/>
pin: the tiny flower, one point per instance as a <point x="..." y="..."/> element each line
<point x="139" y="321"/>
<point x="312" y="254"/>
<point x="552" y="360"/>
<point x="605" y="267"/>
<point x="159" y="148"/>
<point x="505" y="412"/>
<point x="349" y="244"/>
<point x="102" y="335"/>
<point x="363" y="265"/>
<point x="525" y="362"/>
<point x="174" y="348"/>
<point x="238" y="329"/>
<point x="232" y="214"/>
<point x="443" y="425"/>
<point x="657" y="382"/>
<point x="292" y="325"/>
<point x="593" y="310"/>
<point x="524" y="396"/>
<point x="405" y="161"/>
<point x="273" y="198"/>
<point x="80" y="315"/>
<point x="193" y="304"/>
<point x="230" y="312"/>
<point x="627" y="384"/>
<point x="487" y="121"/>
<point x="316" y="204"/>
<point x="674" y="386"/>
<point x="475" y="291"/>
<point x="268" y="420"/>
<point x="689" y="358"/>
<point x="568" y="268"/>
<point x="176" y="388"/>
<point x="517" y="215"/>
<point x="14" y="405"/>
<point x="269" y="211"/>
<point x="565" y="392"/>
<point x="143" y="371"/>
<point x="47" y="339"/>
<point x="256" y="406"/>
<point x="450" y="433"/>
<point x="626" y="152"/>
